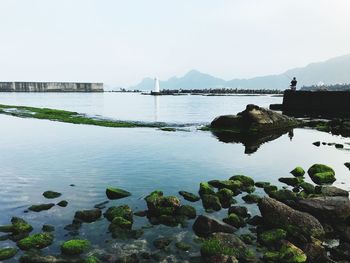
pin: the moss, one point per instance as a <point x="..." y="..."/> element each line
<point x="250" y="189"/>
<point x="92" y="259"/>
<point x="41" y="207"/>
<point x="245" y="180"/>
<point x="75" y="246"/>
<point x="20" y="226"/>
<point x="233" y="185"/>
<point x="261" y="184"/>
<point x="272" y="237"/>
<point x="298" y="171"/>
<point x="123" y="211"/>
<point x="211" y="202"/>
<point x="187" y="211"/>
<point x="270" y="188"/>
<point x="6" y="229"/>
<point x="48" y="228"/>
<point x="288" y="253"/>
<point x="189" y="196"/>
<point x="308" y="188"/>
<point x="272" y="256"/>
<point x="283" y="195"/>
<point x="6" y="253"/>
<point x="205" y="189"/>
<point x="51" y="194"/>
<point x="120" y="222"/>
<point x="116" y="193"/>
<point x="234" y="220"/>
<point x="321" y="174"/>
<point x="62" y="203"/>
<point x="37" y="241"/>
<point x="225" y="196"/>
<point x="292" y="181"/>
<point x="213" y="247"/>
<point x="247" y="238"/>
<point x="251" y="198"/>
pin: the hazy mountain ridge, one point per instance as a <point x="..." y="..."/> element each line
<point x="333" y="71"/>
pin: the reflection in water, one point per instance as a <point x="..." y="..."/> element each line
<point x="291" y="134"/>
<point x="251" y="142"/>
<point x="156" y="108"/>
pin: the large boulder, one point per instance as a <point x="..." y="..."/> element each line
<point x="278" y="215"/>
<point x="321" y="174"/>
<point x="327" y="190"/>
<point x="254" y="119"/>
<point x="204" y="226"/>
<point x="326" y="208"/>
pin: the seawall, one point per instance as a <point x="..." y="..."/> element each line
<point x="315" y="103"/>
<point x="50" y="87"/>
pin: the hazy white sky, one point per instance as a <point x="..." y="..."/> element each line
<point x="121" y="42"/>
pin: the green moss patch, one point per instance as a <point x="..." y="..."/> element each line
<point x="321" y="174"/>
<point x="41" y="207"/>
<point x="75" y="246"/>
<point x="7" y="253"/>
<point x="37" y="241"/>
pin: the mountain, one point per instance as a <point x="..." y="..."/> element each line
<point x="332" y="71"/>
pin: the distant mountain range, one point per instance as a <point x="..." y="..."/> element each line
<point x="332" y="71"/>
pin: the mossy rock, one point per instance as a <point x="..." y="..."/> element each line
<point x="6" y="229"/>
<point x="272" y="237"/>
<point x="20" y="226"/>
<point x="251" y="198"/>
<point x="187" y="211"/>
<point x="62" y="203"/>
<point x="307" y="187"/>
<point x="41" y="207"/>
<point x="161" y="243"/>
<point x="211" y="202"/>
<point x="233" y="185"/>
<point x="292" y="181"/>
<point x="123" y="211"/>
<point x="92" y="259"/>
<point x="298" y="171"/>
<point x="262" y="184"/>
<point x="241" y="211"/>
<point x="248" y="239"/>
<point x="245" y="180"/>
<point x="321" y="174"/>
<point x="120" y="222"/>
<point x="36" y="241"/>
<point x="189" y="196"/>
<point x="225" y="196"/>
<point x="205" y="189"/>
<point x="288" y="253"/>
<point x="234" y="220"/>
<point x="116" y="193"/>
<point x="283" y="195"/>
<point x="88" y="216"/>
<point x="75" y="246"/>
<point x="270" y="188"/>
<point x="48" y="228"/>
<point x="213" y="247"/>
<point x="51" y="194"/>
<point x="7" y="253"/>
<point x="183" y="246"/>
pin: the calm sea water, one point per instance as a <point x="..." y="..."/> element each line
<point x="39" y="155"/>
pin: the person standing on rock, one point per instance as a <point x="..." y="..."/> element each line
<point x="293" y="84"/>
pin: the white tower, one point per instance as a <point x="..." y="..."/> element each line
<point x="156" y="85"/>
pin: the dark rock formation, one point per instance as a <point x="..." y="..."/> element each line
<point x="204" y="226"/>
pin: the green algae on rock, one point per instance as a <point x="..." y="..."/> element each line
<point x="292" y="181"/>
<point x="234" y="220"/>
<point x="251" y="198"/>
<point x="211" y="202"/>
<point x="36" y="241"/>
<point x="272" y="237"/>
<point x="225" y="196"/>
<point x="189" y="196"/>
<point x="298" y="171"/>
<point x="91" y="259"/>
<point x="41" y="207"/>
<point x="187" y="211"/>
<point x="123" y="211"/>
<point x="321" y="174"/>
<point x="116" y="193"/>
<point x="183" y="246"/>
<point x="206" y="189"/>
<point x="51" y="194"/>
<point x="7" y="253"/>
<point x="75" y="246"/>
<point x="20" y="226"/>
<point x="288" y="253"/>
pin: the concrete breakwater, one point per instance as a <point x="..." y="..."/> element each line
<point x="315" y="103"/>
<point x="50" y="87"/>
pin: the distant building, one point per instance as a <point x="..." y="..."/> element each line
<point x="156" y="85"/>
<point x="50" y="87"/>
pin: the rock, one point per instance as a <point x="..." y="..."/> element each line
<point x="36" y="257"/>
<point x="204" y="226"/>
<point x="262" y="184"/>
<point x="246" y="181"/>
<point x="272" y="237"/>
<point x="292" y="181"/>
<point x="307" y="187"/>
<point x="254" y="120"/>
<point x="123" y="211"/>
<point x="347" y="164"/>
<point x="234" y="220"/>
<point x="327" y="208"/>
<point x="36" y="241"/>
<point x="331" y="191"/>
<point x="92" y="259"/>
<point x="88" y="216"/>
<point x="161" y="243"/>
<point x="339" y="146"/>
<point x="101" y="205"/>
<point x="62" y="203"/>
<point x="161" y="205"/>
<point x="128" y="259"/>
<point x="318" y="143"/>
<point x="75" y="246"/>
<point x="278" y="215"/>
<point x="251" y="198"/>
<point x="298" y="171"/>
<point x="283" y="195"/>
<point x="211" y="202"/>
<point x="315" y="251"/>
<point x="189" y="196"/>
<point x="270" y="188"/>
<point x="239" y="210"/>
<point x="288" y="253"/>
<point x="41" y="207"/>
<point x="183" y="246"/>
<point x="341" y="253"/>
<point x="255" y="220"/>
<point x="321" y="174"/>
<point x="120" y="222"/>
<point x="220" y="259"/>
<point x="48" y="228"/>
<point x="187" y="211"/>
<point x="6" y="253"/>
<point x="20" y="226"/>
<point x="51" y="194"/>
<point x="233" y="185"/>
<point x="225" y="196"/>
<point x="205" y="189"/>
<point x="116" y="193"/>
<point x="248" y="239"/>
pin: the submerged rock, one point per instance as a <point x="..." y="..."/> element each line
<point x="321" y="174"/>
<point x="75" y="246"/>
<point x="6" y="253"/>
<point x="48" y="228"/>
<point x="161" y="243"/>
<point x="204" y="226"/>
<point x="288" y="253"/>
<point x="128" y="259"/>
<point x="183" y="246"/>
<point x="278" y="215"/>
<point x="36" y="241"/>
<point x="116" y="193"/>
<point x="51" y="194"/>
<point x="41" y="207"/>
<point x="62" y="203"/>
<point x="88" y="216"/>
<point x="189" y="196"/>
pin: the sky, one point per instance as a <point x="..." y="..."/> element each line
<point x="121" y="42"/>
